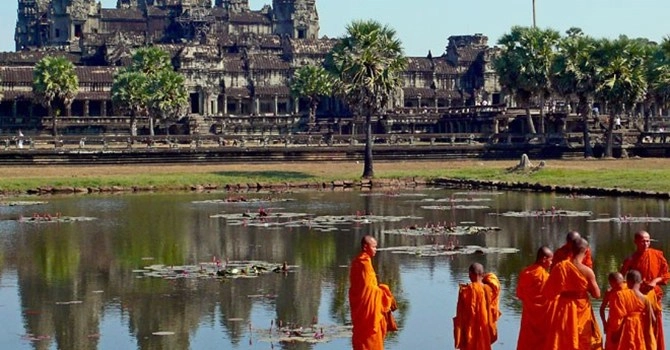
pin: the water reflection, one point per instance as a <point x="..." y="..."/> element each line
<point x="72" y="285"/>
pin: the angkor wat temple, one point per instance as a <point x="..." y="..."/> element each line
<point x="237" y="63"/>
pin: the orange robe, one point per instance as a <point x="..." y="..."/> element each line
<point x="651" y="264"/>
<point x="628" y="323"/>
<point x="369" y="301"/>
<point x="476" y="315"/>
<point x="534" y="312"/>
<point x="572" y="324"/>
<point x="565" y="253"/>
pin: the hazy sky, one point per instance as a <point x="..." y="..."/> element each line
<point x="424" y="25"/>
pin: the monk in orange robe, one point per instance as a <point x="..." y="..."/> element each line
<point x="617" y="283"/>
<point x="565" y="251"/>
<point x="369" y="300"/>
<point x="572" y="324"/>
<point x="477" y="311"/>
<point x="629" y="325"/>
<point x="653" y="267"/>
<point x="534" y="312"/>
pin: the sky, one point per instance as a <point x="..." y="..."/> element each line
<point x="424" y="25"/>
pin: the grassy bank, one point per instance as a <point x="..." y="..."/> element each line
<point x="639" y="174"/>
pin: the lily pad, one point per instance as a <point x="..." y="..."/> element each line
<point x="477" y="193"/>
<point x="545" y="213"/>
<point x="54" y="219"/>
<point x="312" y="334"/>
<point x="243" y="200"/>
<point x="457" y="207"/>
<point x="457" y="200"/>
<point x="217" y="269"/>
<point x="21" y="203"/>
<point x="163" y="333"/>
<point x="440" y="249"/>
<point x="632" y="219"/>
<point x="441" y="230"/>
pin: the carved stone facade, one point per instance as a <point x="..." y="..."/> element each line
<point x="237" y="62"/>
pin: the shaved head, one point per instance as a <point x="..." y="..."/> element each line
<point x="642" y="240"/>
<point x="633" y="277"/>
<point x="580" y="246"/>
<point x="572" y="236"/>
<point x="615" y="278"/>
<point x="476" y="269"/>
<point x="369" y="245"/>
<point x="367" y="240"/>
<point x="544" y="257"/>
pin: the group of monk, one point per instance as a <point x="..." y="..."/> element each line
<point x="555" y="293"/>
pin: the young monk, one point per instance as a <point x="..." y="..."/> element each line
<point x="572" y="324"/>
<point x="565" y="251"/>
<point x="631" y="318"/>
<point x="534" y="311"/>
<point x="653" y="267"/>
<point x="476" y="311"/>
<point x="368" y="299"/>
<point x="617" y="283"/>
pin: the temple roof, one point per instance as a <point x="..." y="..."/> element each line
<point x="122" y="15"/>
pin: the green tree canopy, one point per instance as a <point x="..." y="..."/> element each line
<point x="312" y="82"/>
<point x="55" y="85"/>
<point x="369" y="62"/>
<point x="149" y="86"/>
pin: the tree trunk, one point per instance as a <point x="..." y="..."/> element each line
<point x="585" y="109"/>
<point x="151" y="125"/>
<point x="368" y="171"/>
<point x="133" y="124"/>
<point x="53" y="121"/>
<point x="610" y="135"/>
<point x="529" y="121"/>
<point x="542" y="102"/>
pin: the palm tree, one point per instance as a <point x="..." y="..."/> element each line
<point x="312" y="82"/>
<point x="55" y="85"/>
<point x="524" y="66"/>
<point x="573" y="77"/>
<point x="621" y="80"/>
<point x="369" y="62"/>
<point x="657" y="66"/>
<point x="149" y="86"/>
<point x="130" y="93"/>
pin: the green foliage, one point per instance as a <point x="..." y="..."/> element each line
<point x="55" y="84"/>
<point x="150" y="86"/>
<point x="369" y="63"/>
<point x="312" y="82"/>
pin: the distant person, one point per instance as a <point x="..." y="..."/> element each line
<point x="477" y="310"/>
<point x="565" y="251"/>
<point x="572" y="323"/>
<point x="617" y="123"/>
<point x="653" y="268"/>
<point x="534" y="305"/>
<point x="370" y="301"/>
<point x="631" y="319"/>
<point x="19" y="142"/>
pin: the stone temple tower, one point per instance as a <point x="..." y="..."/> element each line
<point x="32" y="25"/>
<point x="296" y="18"/>
<point x="71" y="19"/>
<point x="234" y="6"/>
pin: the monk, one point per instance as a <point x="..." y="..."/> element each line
<point x="617" y="283"/>
<point x="631" y="318"/>
<point x="572" y="324"/>
<point x="653" y="267"/>
<point x="477" y="311"/>
<point x="369" y="300"/>
<point x="565" y="251"/>
<point x="534" y="306"/>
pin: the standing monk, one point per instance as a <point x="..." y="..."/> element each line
<point x="476" y="311"/>
<point x="630" y="321"/>
<point x="654" y="270"/>
<point x="369" y="300"/>
<point x="572" y="323"/>
<point x="565" y="251"/>
<point x="534" y="312"/>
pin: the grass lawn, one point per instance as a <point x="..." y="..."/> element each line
<point x="641" y="174"/>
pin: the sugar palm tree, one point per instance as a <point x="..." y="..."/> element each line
<point x="130" y="92"/>
<point x="368" y="62"/>
<point x="621" y="80"/>
<point x="312" y="82"/>
<point x="657" y="67"/>
<point x="55" y="85"/>
<point x="524" y="66"/>
<point x="573" y="77"/>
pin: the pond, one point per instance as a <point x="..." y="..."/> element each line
<point x="72" y="268"/>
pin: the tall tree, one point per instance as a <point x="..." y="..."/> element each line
<point x="149" y="86"/>
<point x="369" y="62"/>
<point x="524" y="66"/>
<point x="573" y="77"/>
<point x="657" y="66"/>
<point x="55" y="85"/>
<point x="312" y="82"/>
<point x="621" y="80"/>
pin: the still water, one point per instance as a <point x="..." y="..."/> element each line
<point x="73" y="285"/>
